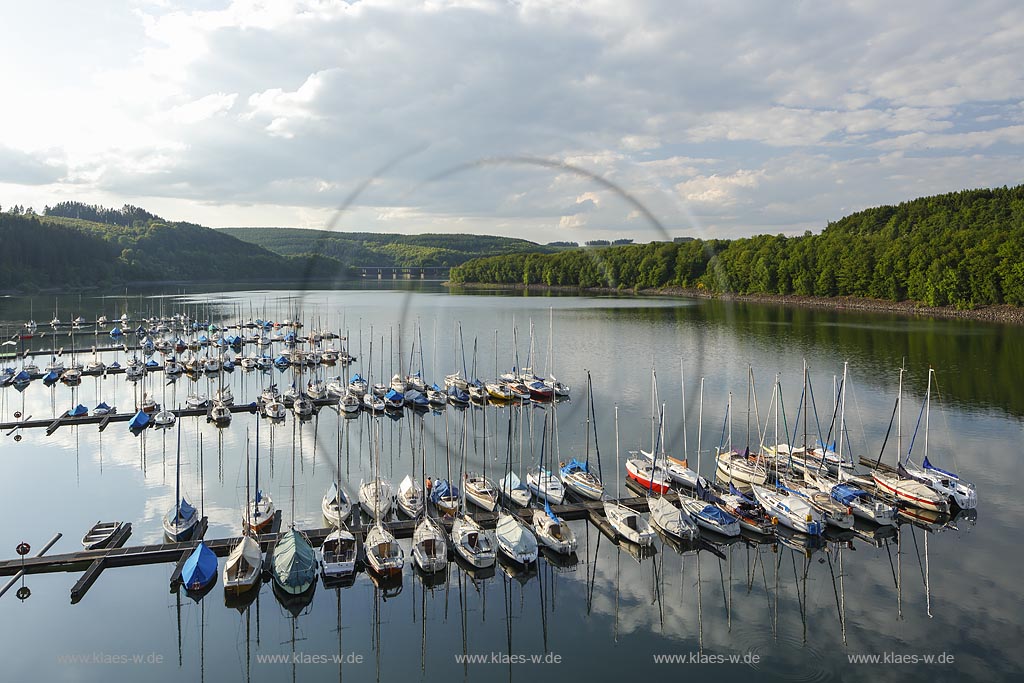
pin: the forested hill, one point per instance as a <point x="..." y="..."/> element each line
<point x="53" y="250"/>
<point x="963" y="249"/>
<point x="355" y="249"/>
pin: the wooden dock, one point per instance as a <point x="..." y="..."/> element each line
<point x="65" y="420"/>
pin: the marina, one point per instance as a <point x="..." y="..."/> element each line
<point x="488" y="439"/>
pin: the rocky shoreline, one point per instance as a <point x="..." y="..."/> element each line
<point x="998" y="314"/>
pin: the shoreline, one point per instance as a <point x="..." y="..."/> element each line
<point x="1003" y="313"/>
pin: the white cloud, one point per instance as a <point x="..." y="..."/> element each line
<point x="760" y="116"/>
<point x="719" y="190"/>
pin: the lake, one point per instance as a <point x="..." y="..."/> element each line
<point x="738" y="611"/>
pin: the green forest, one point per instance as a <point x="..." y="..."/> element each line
<point x="357" y="249"/>
<point x="962" y="249"/>
<point x="54" y="250"/>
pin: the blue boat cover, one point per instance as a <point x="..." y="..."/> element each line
<point x="928" y="466"/>
<point x="200" y="568"/>
<point x="435" y="387"/>
<point x="22" y="376"/>
<point x="736" y="492"/>
<point x="575" y="466"/>
<point x="152" y="363"/>
<point x="116" y="332"/>
<point x="357" y="378"/>
<point x="78" y="411"/>
<point x="458" y="394"/>
<point x="413" y="396"/>
<point x="846" y="494"/>
<point x="547" y="509"/>
<point x="50" y="377"/>
<point x="102" y="405"/>
<point x="185" y="509"/>
<point x="717" y="515"/>
<point x="140" y="420"/>
<point x="394" y="396"/>
<point x="442" y="489"/>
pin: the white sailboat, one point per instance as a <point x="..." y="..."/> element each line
<point x="627" y="523"/>
<point x="383" y="553"/>
<point x="959" y="491"/>
<point x="553" y="532"/>
<point x="541" y="481"/>
<point x="515" y="539"/>
<point x="244" y="566"/>
<point x="578" y="476"/>
<point x="260" y="509"/>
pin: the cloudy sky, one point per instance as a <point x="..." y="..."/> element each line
<point x="546" y="119"/>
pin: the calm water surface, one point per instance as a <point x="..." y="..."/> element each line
<point x="799" y="612"/>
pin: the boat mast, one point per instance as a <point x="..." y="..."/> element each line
<point x="927" y="411"/>
<point x="700" y="423"/>
<point x="177" y="481"/>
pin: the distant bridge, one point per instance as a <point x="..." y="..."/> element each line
<point x="405" y="273"/>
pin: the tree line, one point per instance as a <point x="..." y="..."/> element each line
<point x="961" y="249"/>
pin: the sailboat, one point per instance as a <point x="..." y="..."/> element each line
<point x="478" y="488"/>
<point x="429" y="544"/>
<point x="443" y="494"/>
<point x="706" y="514"/>
<point x="383" y="553"/>
<point x="260" y="510"/>
<point x="628" y="523"/>
<point x="294" y="564"/>
<point x="376" y="496"/>
<point x="515" y="540"/>
<point x="576" y="475"/>
<point x="336" y="506"/>
<point x="542" y="482"/>
<point x="741" y="467"/>
<point x="472" y="542"/>
<point x="552" y="531"/>
<point x="959" y="491"/>
<point x="244" y="566"/>
<point x="792" y="510"/>
<point x="200" y="569"/>
<point x="181" y="520"/>
<point x="338" y="552"/>
<point x="900" y="485"/>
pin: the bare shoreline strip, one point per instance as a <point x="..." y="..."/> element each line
<point x="1006" y="314"/>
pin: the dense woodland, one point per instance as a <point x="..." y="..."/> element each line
<point x="55" y="251"/>
<point x="963" y="249"/>
<point x="357" y="249"/>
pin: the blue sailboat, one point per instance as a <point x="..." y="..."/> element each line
<point x="200" y="569"/>
<point x="180" y="520"/>
<point x="139" y="422"/>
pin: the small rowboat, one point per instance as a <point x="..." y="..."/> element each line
<point x="100" y="534"/>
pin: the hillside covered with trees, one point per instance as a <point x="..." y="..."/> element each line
<point x="57" y="249"/>
<point x="963" y="249"/>
<point x="356" y="249"/>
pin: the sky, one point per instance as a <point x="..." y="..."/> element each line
<point x="542" y="119"/>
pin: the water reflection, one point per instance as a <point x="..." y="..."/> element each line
<point x="933" y="585"/>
